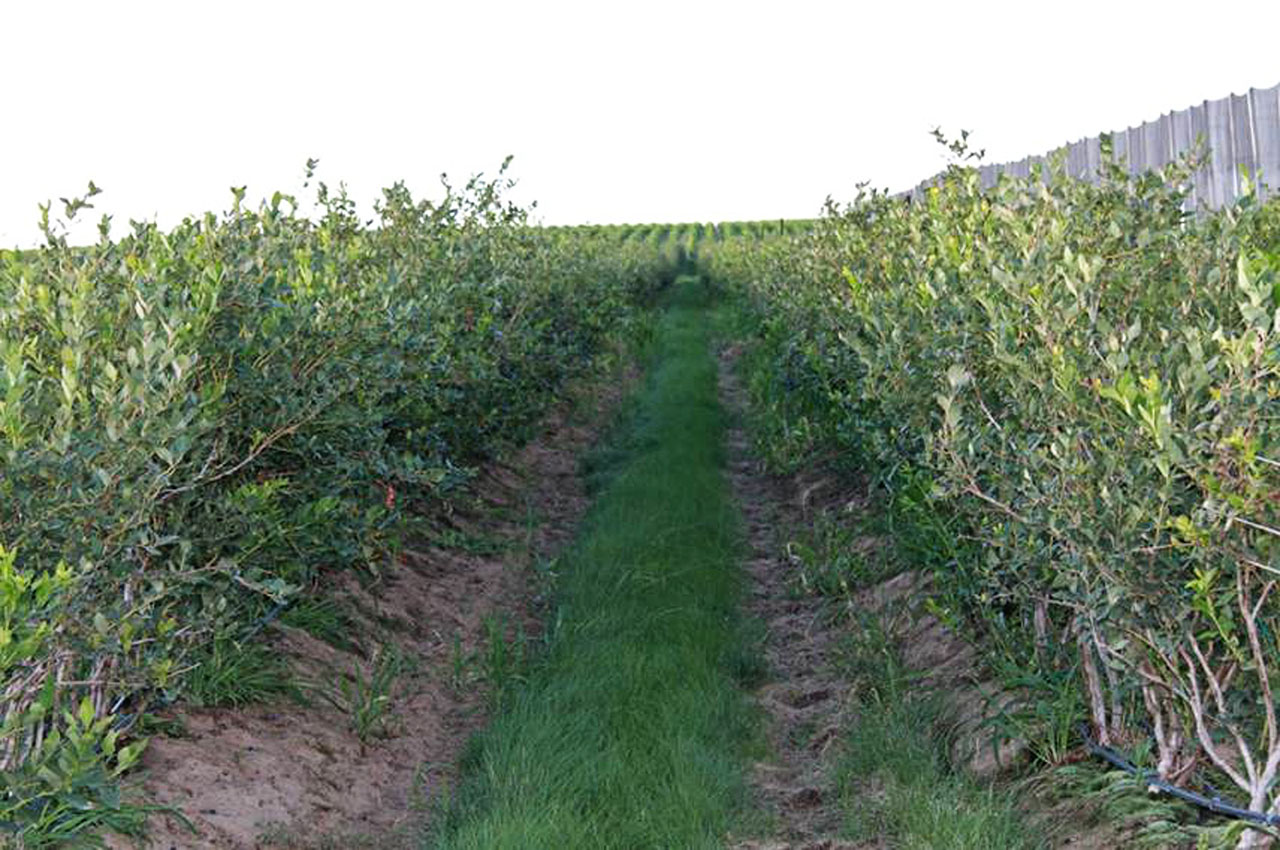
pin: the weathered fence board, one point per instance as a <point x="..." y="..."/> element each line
<point x="1241" y="133"/>
<point x="1266" y="135"/>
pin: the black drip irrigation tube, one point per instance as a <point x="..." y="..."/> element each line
<point x="1214" y="804"/>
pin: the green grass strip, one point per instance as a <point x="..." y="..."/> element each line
<point x="631" y="730"/>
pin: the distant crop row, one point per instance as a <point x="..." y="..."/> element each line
<point x="1071" y="394"/>
<point x="197" y="425"/>
<point x="695" y="232"/>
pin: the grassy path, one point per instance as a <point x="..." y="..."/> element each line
<point x="632" y="728"/>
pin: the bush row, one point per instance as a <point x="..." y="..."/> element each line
<point x="1075" y="386"/>
<point x="196" y="424"/>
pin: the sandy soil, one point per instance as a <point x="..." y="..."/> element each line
<point x="286" y="775"/>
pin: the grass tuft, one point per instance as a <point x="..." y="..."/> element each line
<point x="235" y="674"/>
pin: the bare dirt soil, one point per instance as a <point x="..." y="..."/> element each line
<point x="289" y="775"/>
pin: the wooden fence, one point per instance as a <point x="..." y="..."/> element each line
<point x="1241" y="133"/>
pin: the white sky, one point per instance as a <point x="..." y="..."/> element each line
<point x="653" y="111"/>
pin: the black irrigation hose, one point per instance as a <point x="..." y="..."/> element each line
<point x="1214" y="804"/>
<point x="265" y="619"/>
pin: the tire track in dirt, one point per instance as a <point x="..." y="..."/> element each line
<point x="805" y="702"/>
